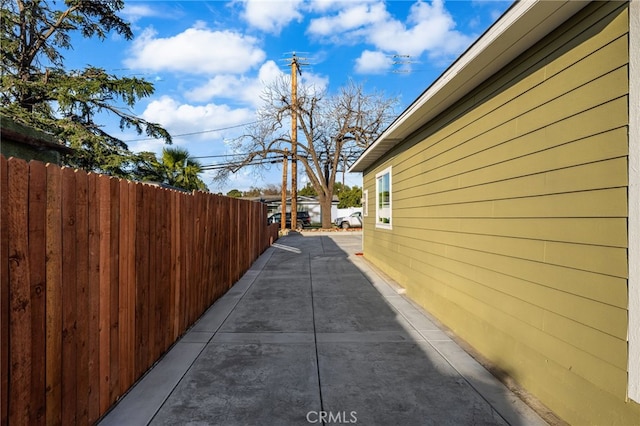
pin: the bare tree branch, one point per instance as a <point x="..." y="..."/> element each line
<point x="336" y="129"/>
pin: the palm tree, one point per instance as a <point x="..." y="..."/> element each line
<point x="180" y="170"/>
<point x="175" y="168"/>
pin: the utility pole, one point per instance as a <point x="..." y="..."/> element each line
<point x="283" y="216"/>
<point x="294" y="140"/>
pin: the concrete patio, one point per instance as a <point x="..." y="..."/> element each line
<point x="312" y="334"/>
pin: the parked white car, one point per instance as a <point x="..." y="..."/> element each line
<point x="354" y="220"/>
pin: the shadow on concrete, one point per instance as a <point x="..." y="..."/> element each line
<point x="312" y="335"/>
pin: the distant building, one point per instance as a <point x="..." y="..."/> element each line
<point x="20" y="141"/>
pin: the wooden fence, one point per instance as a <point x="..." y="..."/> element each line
<point x="100" y="276"/>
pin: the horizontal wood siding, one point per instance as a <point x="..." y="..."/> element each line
<point x="510" y="218"/>
<point x="100" y="276"/>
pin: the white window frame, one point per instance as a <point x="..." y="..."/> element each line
<point x="379" y="222"/>
<point x="633" y="228"/>
<point x="365" y="202"/>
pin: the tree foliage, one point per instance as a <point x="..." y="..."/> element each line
<point x="348" y="196"/>
<point x="38" y="91"/>
<point x="252" y="192"/>
<point x="334" y="131"/>
<point x="307" y="191"/>
<point x="235" y="193"/>
<point x="268" y="189"/>
<point x="175" y="167"/>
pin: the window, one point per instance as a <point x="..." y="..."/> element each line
<point x="383" y="199"/>
<point x="365" y="202"/>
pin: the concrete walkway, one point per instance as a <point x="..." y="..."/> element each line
<point x="311" y="334"/>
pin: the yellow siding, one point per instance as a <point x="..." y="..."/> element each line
<point x="509" y="218"/>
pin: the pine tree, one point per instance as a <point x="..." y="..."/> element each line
<point x="38" y="91"/>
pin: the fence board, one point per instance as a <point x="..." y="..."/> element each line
<point x="194" y="264"/>
<point x="19" y="297"/>
<point x="180" y="266"/>
<point x="104" y="234"/>
<point x="164" y="328"/>
<point x="235" y="242"/>
<point x="123" y="253"/>
<point x="69" y="311"/>
<point x="37" y="282"/>
<point x="223" y="217"/>
<point x="151" y="206"/>
<point x="186" y="222"/>
<point x="4" y="293"/>
<point x="114" y="280"/>
<point x="226" y="257"/>
<point x="142" y="280"/>
<point x="93" y="210"/>
<point x="215" y="258"/>
<point x="104" y="212"/>
<point x="131" y="297"/>
<point x="197" y="254"/>
<point x="210" y="270"/>
<point x="155" y="313"/>
<point x="53" y="352"/>
<point x="82" y="297"/>
<point x="205" y="227"/>
<point x="127" y="283"/>
<point x="174" y="260"/>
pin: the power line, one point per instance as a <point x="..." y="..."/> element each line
<point x="198" y="133"/>
<point x="255" y="162"/>
<point x="221" y="156"/>
<point x="237" y="154"/>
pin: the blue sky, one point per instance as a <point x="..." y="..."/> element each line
<point x="209" y="60"/>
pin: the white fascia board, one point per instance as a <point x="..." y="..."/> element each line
<point x="524" y="24"/>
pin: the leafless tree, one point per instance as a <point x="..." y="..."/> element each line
<point x="333" y="131"/>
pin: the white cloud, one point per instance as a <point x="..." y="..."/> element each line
<point x="320" y="83"/>
<point x="322" y="6"/>
<point x="134" y="12"/>
<point x="373" y="63"/>
<point x="222" y="85"/>
<point x="238" y="88"/>
<point x="432" y="31"/>
<point x="429" y="29"/>
<point x="352" y="18"/>
<point x="147" y="145"/>
<point x="248" y="90"/>
<point x="179" y="118"/>
<point x="271" y="16"/>
<point x="197" y="50"/>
